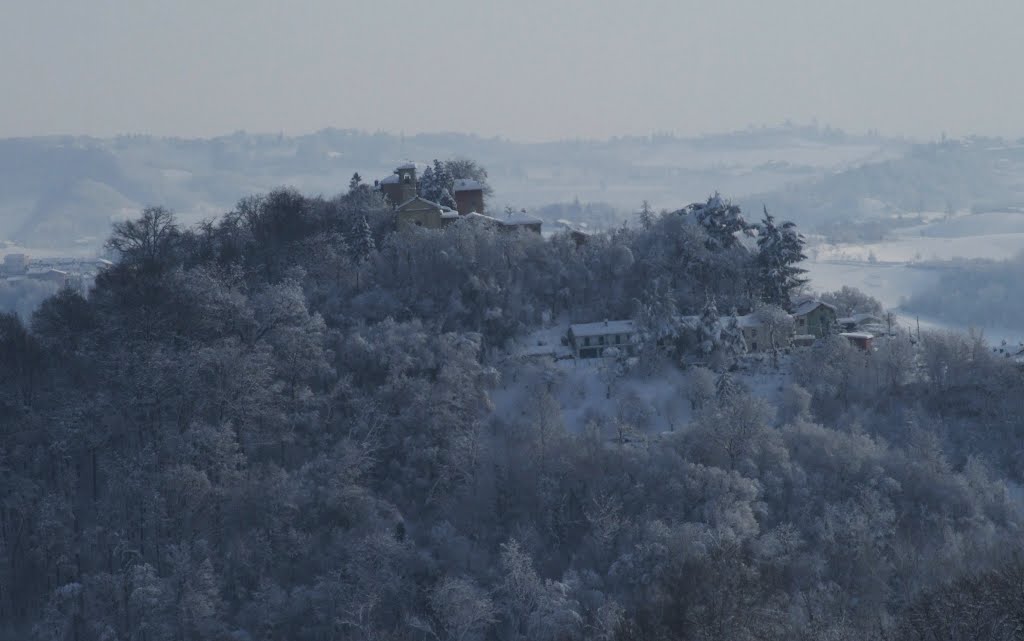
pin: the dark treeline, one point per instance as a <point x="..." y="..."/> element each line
<point x="982" y="293"/>
<point x="278" y="426"/>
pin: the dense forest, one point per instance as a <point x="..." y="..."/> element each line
<point x="279" y="425"/>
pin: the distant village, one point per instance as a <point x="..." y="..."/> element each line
<point x="78" y="274"/>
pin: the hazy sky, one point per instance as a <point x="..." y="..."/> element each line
<point x="524" y="69"/>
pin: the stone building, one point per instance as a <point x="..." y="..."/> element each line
<point x="420" y="212"/>
<point x="469" y="196"/>
<point x="400" y="187"/>
<point x="413" y="211"/>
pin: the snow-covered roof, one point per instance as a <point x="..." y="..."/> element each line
<point x="520" y="219"/>
<point x="449" y="213"/>
<point x="482" y="217"/>
<point x="860" y="335"/>
<point x="467" y="184"/>
<point x="424" y="201"/>
<point x="858" y="319"/>
<point x="511" y="221"/>
<point x="807" y="306"/>
<point x="390" y="180"/>
<point x="603" y="328"/>
<point x="749" y="320"/>
<point x="408" y="165"/>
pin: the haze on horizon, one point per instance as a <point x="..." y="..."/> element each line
<point x="526" y="70"/>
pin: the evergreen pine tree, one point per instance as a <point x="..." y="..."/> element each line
<point x="732" y="341"/>
<point x="427" y="185"/>
<point x="443" y="181"/>
<point x="446" y="199"/>
<point x="780" y="250"/>
<point x="727" y="388"/>
<point x="360" y="241"/>
<point x="358" y="192"/>
<point x="721" y="219"/>
<point x="646" y="215"/>
<point x="710" y="328"/>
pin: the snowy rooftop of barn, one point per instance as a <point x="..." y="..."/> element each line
<point x="467" y="184"/>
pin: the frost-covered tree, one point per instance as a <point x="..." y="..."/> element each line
<point x="722" y="220"/>
<point x="436" y="180"/>
<point x="710" y="330"/>
<point x="445" y="199"/>
<point x="779" y="251"/>
<point x="732" y="342"/>
<point x="700" y="387"/>
<point x="777" y="326"/>
<point x="850" y="300"/>
<point x="727" y="387"/>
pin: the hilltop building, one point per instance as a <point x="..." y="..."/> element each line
<point x="412" y="210"/>
<point x="420" y="212"/>
<point x="400" y="187"/>
<point x="469" y="196"/>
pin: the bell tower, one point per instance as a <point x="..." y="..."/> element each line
<point x="407" y="182"/>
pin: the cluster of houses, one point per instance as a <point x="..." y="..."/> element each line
<point x="76" y="273"/>
<point x="413" y="211"/>
<point x="812" y="319"/>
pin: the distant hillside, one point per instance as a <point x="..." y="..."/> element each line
<point x="978" y="174"/>
<point x="58" y="190"/>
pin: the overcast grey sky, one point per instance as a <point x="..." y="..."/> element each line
<point x="524" y="69"/>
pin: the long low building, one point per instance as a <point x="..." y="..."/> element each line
<point x="590" y="340"/>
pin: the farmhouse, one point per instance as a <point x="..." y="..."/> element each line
<point x="811" y="316"/>
<point x="590" y="340"/>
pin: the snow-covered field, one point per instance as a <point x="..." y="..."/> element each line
<point x="913" y="258"/>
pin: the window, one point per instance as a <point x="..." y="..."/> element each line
<point x="753" y="346"/>
<point x="600" y="340"/>
<point x="801" y="321"/>
<point x="618" y="339"/>
<point x="753" y="333"/>
<point x="586" y="341"/>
